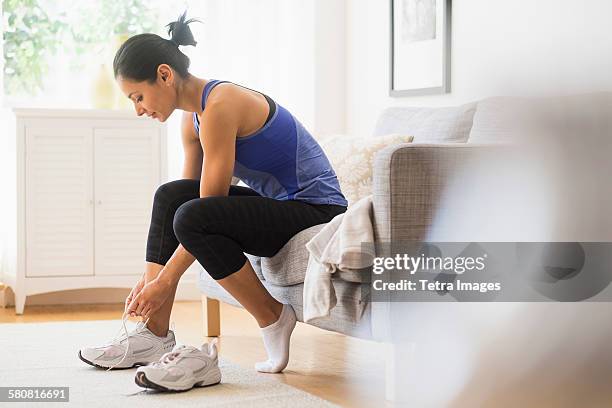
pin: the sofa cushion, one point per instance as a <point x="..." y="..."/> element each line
<point x="352" y="157"/>
<point x="288" y="265"/>
<point x="428" y="125"/>
<point x="501" y="119"/>
<point x="350" y="316"/>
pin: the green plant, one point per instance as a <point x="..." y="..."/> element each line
<point x="112" y="17"/>
<point x="30" y="36"/>
<point x="33" y="35"/>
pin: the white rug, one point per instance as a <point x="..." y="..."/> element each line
<point x="45" y="354"/>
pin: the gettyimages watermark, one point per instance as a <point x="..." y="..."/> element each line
<point x="488" y="271"/>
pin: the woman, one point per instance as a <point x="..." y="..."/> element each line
<point x="240" y="132"/>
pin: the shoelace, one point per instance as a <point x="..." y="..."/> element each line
<point x="169" y="357"/>
<point x="178" y="351"/>
<point x="127" y="337"/>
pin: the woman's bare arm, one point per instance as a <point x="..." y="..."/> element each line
<point x="220" y="129"/>
<point x="218" y="138"/>
<point x="194" y="156"/>
<point x="192" y="169"/>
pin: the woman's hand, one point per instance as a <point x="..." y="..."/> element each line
<point x="150" y="298"/>
<point x="134" y="292"/>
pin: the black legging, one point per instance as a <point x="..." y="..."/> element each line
<point x="218" y="230"/>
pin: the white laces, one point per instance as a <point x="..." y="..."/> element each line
<point x="126" y="336"/>
<point x="122" y="334"/>
<point x="169" y="357"/>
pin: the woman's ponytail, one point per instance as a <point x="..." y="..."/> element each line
<point x="179" y="31"/>
<point x="138" y="58"/>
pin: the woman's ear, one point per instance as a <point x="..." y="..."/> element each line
<point x="165" y="74"/>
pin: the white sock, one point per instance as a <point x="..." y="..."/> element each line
<point x="276" y="340"/>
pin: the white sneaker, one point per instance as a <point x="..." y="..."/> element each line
<point x="143" y="347"/>
<point x="183" y="368"/>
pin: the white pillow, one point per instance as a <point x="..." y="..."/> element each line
<point x="352" y="159"/>
<point x="428" y="125"/>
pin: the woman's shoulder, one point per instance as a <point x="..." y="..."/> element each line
<point x="226" y="93"/>
<point x="232" y="102"/>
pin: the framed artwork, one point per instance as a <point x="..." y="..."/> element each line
<point x="420" y="47"/>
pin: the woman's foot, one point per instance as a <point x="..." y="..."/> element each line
<point x="276" y="337"/>
<point x="144" y="347"/>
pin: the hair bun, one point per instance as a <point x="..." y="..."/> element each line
<point x="179" y="31"/>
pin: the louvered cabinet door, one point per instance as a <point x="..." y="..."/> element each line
<point x="58" y="201"/>
<point x="127" y="173"/>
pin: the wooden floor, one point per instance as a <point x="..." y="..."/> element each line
<point x="340" y="369"/>
<point x="349" y="371"/>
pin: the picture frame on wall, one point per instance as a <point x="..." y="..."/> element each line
<point x="420" y="47"/>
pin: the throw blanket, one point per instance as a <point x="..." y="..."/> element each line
<point x="337" y="247"/>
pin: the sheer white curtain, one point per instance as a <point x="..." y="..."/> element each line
<point x="267" y="45"/>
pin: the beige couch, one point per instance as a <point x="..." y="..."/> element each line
<point x="407" y="182"/>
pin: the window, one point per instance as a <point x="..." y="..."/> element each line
<point x="53" y="51"/>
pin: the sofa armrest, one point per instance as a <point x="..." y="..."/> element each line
<point x="408" y="181"/>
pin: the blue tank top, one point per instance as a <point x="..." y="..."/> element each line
<point x="282" y="160"/>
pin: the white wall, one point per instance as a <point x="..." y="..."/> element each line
<point x="330" y="67"/>
<point x="498" y="47"/>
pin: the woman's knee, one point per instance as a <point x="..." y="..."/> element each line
<point x="168" y="192"/>
<point x="217" y="253"/>
<point x="191" y="216"/>
<point x="180" y="223"/>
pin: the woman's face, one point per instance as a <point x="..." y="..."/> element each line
<point x="156" y="100"/>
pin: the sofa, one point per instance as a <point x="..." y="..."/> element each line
<point x="410" y="188"/>
<point x="408" y="180"/>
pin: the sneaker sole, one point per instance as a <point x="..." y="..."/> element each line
<point x="107" y="367"/>
<point x="142" y="380"/>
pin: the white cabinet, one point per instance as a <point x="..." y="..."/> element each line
<point x="59" y="190"/>
<point x="85" y="186"/>
<point x="126" y="174"/>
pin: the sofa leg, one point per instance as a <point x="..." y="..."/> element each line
<point x="211" y="317"/>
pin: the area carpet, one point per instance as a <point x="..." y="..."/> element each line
<point x="45" y="354"/>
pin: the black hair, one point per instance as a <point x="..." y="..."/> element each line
<point x="138" y="58"/>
